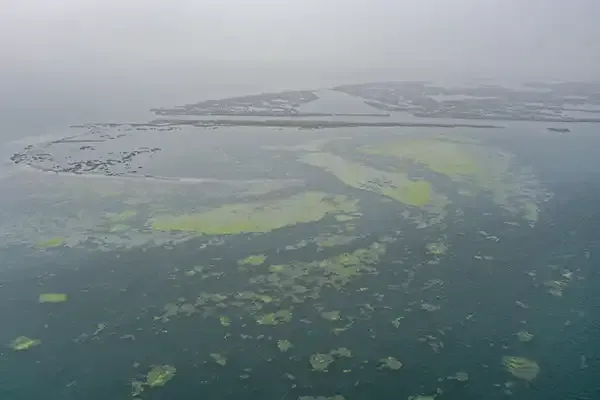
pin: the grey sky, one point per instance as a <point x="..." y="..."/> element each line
<point x="177" y="46"/>
<point x="145" y="36"/>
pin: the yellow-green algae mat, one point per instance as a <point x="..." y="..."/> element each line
<point x="50" y="243"/>
<point x="487" y="169"/>
<point x="521" y="367"/>
<point x="158" y="376"/>
<point x="52" y="298"/>
<point x="395" y="185"/>
<point x="24" y="343"/>
<point x="258" y="217"/>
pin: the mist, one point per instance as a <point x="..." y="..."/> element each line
<point x="108" y="57"/>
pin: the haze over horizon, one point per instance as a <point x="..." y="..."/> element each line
<point x="93" y="53"/>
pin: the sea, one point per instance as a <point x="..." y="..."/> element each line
<point x="179" y="317"/>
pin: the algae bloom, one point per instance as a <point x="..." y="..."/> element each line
<point x="331" y="315"/>
<point x="284" y="345"/>
<point x="225" y="321"/>
<point x="524" y="336"/>
<point x="159" y="375"/>
<point x="50" y="243"/>
<point x="341" y="352"/>
<point x="219" y="358"/>
<point x="521" y="367"/>
<point x="24" y="343"/>
<point x="122" y="216"/>
<point x="436" y="248"/>
<point x="258" y="217"/>
<point x="52" y="298"/>
<point x="275" y="318"/>
<point x="395" y="185"/>
<point x="254" y="260"/>
<point x="390" y="363"/>
<point x="320" y="361"/>
<point x="429" y="307"/>
<point x="460" y="376"/>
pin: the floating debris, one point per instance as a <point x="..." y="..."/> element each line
<point x="390" y="363"/>
<point x="521" y="367"/>
<point x="52" y="298"/>
<point x="24" y="343"/>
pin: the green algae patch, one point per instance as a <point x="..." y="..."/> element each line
<point x="394" y="185"/>
<point x="321" y="361"/>
<point x="345" y="217"/>
<point x="484" y="169"/>
<point x="521" y="367"/>
<point x="50" y="243"/>
<point x="23" y="343"/>
<point x="390" y="363"/>
<point x="276" y="318"/>
<point x="460" y="376"/>
<point x="436" y="248"/>
<point x="219" y="359"/>
<point x="254" y="260"/>
<point x="225" y="321"/>
<point x="412" y="193"/>
<point x="331" y="315"/>
<point x="122" y="216"/>
<point x="430" y="307"/>
<point x="158" y="376"/>
<point x="341" y="352"/>
<point x="258" y="217"/>
<point x="334" y="240"/>
<point x="284" y="345"/>
<point x="117" y="228"/>
<point x="441" y="156"/>
<point x="52" y="298"/>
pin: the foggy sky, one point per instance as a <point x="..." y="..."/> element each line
<point x="61" y="47"/>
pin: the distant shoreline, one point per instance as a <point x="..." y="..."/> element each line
<point x="285" y="123"/>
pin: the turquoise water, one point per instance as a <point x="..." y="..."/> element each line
<point x="109" y="331"/>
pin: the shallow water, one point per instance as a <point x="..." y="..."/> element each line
<point x="110" y="330"/>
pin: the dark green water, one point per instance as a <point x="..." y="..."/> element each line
<point x="471" y="332"/>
